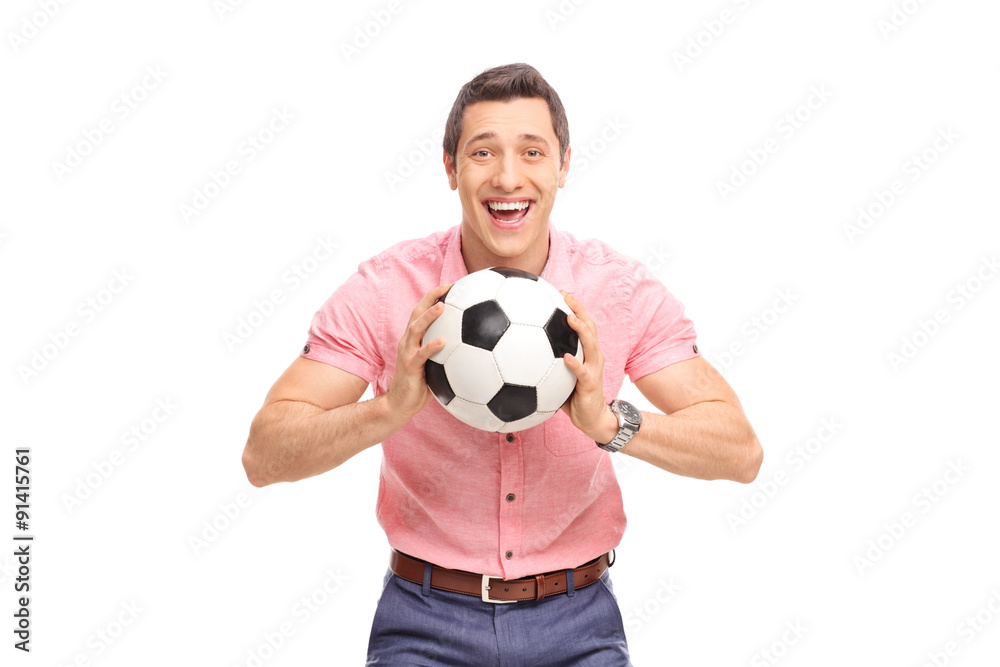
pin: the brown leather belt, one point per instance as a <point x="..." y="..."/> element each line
<point x="495" y="589"/>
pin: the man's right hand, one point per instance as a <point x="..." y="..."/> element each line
<point x="408" y="392"/>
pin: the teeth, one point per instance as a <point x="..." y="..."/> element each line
<point x="508" y="206"/>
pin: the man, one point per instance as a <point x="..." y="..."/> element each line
<point x="477" y="519"/>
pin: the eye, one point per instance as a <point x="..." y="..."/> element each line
<point x="482" y="153"/>
<point x="534" y="153"/>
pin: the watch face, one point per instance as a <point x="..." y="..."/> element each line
<point x="629" y="412"/>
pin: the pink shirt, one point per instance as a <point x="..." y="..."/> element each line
<point x="535" y="501"/>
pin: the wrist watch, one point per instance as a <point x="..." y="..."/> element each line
<point x="629" y="421"/>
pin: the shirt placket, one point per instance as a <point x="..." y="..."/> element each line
<point x="511" y="498"/>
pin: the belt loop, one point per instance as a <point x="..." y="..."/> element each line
<point x="426" y="590"/>
<point x="539" y="586"/>
<point x="570" y="591"/>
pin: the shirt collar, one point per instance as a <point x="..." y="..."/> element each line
<point x="557" y="271"/>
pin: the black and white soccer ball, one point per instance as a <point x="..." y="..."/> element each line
<point x="502" y="367"/>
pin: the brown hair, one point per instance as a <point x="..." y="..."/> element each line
<point x="505" y="84"/>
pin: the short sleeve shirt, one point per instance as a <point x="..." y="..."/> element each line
<point x="510" y="505"/>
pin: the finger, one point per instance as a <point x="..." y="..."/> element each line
<point x="575" y="305"/>
<point x="427" y="301"/>
<point x="431" y="297"/>
<point x="580" y="312"/>
<point x="430" y="349"/>
<point x="415" y="332"/>
<point x="582" y="373"/>
<point x="588" y="339"/>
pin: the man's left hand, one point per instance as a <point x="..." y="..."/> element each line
<point x="586" y="406"/>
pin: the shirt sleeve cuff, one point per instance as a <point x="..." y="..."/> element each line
<point x="662" y="360"/>
<point x="346" y="362"/>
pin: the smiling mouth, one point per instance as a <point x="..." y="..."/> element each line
<point x="507" y="212"/>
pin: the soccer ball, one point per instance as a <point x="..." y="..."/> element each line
<point x="502" y="365"/>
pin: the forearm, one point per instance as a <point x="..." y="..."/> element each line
<point x="292" y="440"/>
<point x="710" y="440"/>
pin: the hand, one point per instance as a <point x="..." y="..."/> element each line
<point x="408" y="392"/>
<point x="586" y="406"/>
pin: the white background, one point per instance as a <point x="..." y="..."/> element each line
<point x="822" y="545"/>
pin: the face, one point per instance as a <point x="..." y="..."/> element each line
<point x="507" y="174"/>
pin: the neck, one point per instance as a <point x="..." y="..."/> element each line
<point x="477" y="256"/>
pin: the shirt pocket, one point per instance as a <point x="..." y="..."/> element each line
<point x="561" y="438"/>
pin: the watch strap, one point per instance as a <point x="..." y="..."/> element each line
<point x="625" y="432"/>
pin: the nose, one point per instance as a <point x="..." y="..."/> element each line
<point x="507" y="176"/>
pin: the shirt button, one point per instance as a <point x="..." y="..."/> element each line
<point x="509" y="555"/>
<point x="510" y="497"/>
<point x="510" y="437"/>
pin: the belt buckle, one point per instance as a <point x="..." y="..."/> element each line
<point x="486" y="594"/>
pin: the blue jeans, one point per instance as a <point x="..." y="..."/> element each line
<point x="418" y="625"/>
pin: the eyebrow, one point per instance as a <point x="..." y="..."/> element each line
<point x="532" y="138"/>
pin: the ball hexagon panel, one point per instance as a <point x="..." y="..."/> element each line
<point x="513" y="273"/>
<point x="520" y="300"/>
<point x="474" y="288"/>
<point x="483" y="324"/>
<point x="556" y="297"/>
<point x="513" y="402"/>
<point x="438" y="383"/>
<point x="472" y="374"/>
<point x="473" y="413"/>
<point x="556" y="387"/>
<point x="533" y="419"/>
<point x="523" y="355"/>
<point x="449" y="325"/>
<point x="562" y="338"/>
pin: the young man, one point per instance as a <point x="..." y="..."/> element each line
<point x="479" y="519"/>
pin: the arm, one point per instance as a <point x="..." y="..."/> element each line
<point x="311" y="421"/>
<point x="704" y="433"/>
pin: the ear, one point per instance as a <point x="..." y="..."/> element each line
<point x="564" y="170"/>
<point x="449" y="169"/>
